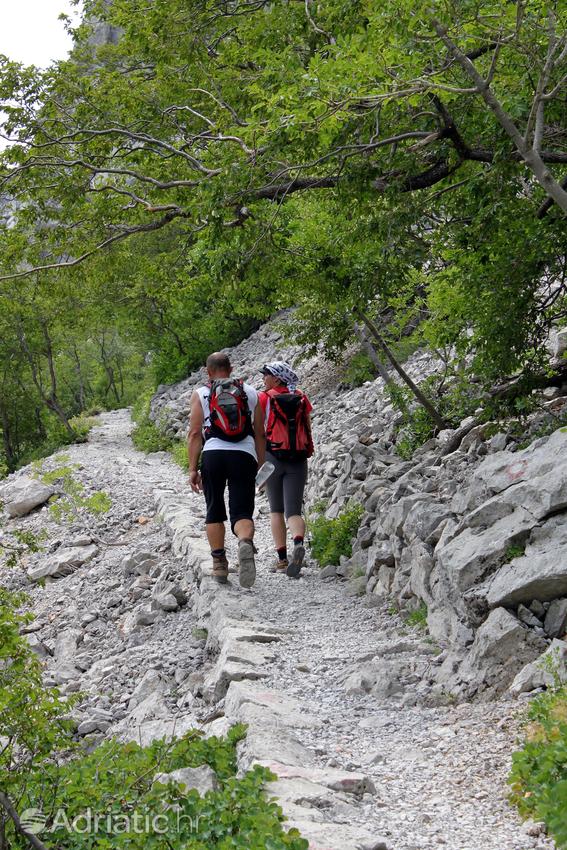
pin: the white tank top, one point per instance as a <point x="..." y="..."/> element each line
<point x="215" y="443"/>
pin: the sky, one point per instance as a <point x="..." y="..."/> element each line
<point x="30" y="31"/>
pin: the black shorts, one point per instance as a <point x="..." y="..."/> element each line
<point x="236" y="468"/>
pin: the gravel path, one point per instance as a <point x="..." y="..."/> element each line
<point x="440" y="773"/>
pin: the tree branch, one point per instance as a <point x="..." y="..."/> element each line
<point x="530" y="156"/>
<point x="14" y="817"/>
<point x="124" y="234"/>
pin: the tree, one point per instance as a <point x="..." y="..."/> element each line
<point x="238" y="141"/>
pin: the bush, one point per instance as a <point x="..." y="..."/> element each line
<point x="82" y="425"/>
<point x="108" y="798"/>
<point x="331" y="538"/>
<point x="539" y="770"/>
<point x="178" y="451"/>
<point x="359" y="369"/>
<point x="146" y="436"/>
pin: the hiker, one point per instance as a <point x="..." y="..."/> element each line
<point x="227" y="428"/>
<point x="289" y="444"/>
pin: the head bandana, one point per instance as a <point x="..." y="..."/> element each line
<point x="284" y="372"/>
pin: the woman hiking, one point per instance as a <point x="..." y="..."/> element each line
<point x="289" y="444"/>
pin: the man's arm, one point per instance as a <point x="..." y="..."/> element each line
<point x="195" y="442"/>
<point x="259" y="433"/>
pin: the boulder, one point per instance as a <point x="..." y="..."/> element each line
<point x="63" y="562"/>
<point x="423" y="520"/>
<point x="549" y="670"/>
<point x="502" y="644"/>
<point x="25" y="494"/>
<point x="560" y="343"/>
<point x="541" y="573"/>
<point x="555" y="623"/>
<point x="201" y="779"/>
<point x="466" y="557"/>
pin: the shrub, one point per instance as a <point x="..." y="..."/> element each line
<point x="178" y="451"/>
<point x="539" y="770"/>
<point x="331" y="538"/>
<point x="418" y="617"/>
<point x="359" y="369"/>
<point x="111" y="790"/>
<point x="82" y="425"/>
<point x="146" y="436"/>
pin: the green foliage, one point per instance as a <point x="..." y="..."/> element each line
<point x="516" y="550"/>
<point x="146" y="436"/>
<point x="200" y="634"/>
<point x="42" y="769"/>
<point x="454" y="401"/>
<point x="178" y="451"/>
<point x="70" y="499"/>
<point x="359" y="369"/>
<point x="16" y="543"/>
<point x="125" y="794"/>
<point x="239" y="194"/>
<point x="35" y="721"/>
<point x="99" y="503"/>
<point x="539" y="770"/>
<point x="82" y="426"/>
<point x="418" y="618"/>
<point x="331" y="538"/>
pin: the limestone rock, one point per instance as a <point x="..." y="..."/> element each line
<point x="541" y="573"/>
<point x="500" y="645"/>
<point x="547" y="671"/>
<point x="25" y="494"/>
<point x="63" y="562"/>
<point x="201" y="779"/>
<point x="555" y="623"/>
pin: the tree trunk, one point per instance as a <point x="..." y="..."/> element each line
<point x="381" y="368"/>
<point x="51" y="401"/>
<point x="78" y="369"/>
<point x="109" y="372"/>
<point x="7" y="442"/>
<point x="422" y="399"/>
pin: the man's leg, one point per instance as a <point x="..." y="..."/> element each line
<point x="244" y="529"/>
<point x="215" y="535"/>
<point x="242" y="468"/>
<point x="214" y="482"/>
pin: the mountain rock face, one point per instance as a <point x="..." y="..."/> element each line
<point x="103" y="33"/>
<point x="473" y="528"/>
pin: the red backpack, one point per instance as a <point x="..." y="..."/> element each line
<point x="230" y="417"/>
<point x="287" y="430"/>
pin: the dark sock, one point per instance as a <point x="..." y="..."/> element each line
<point x="297" y="540"/>
<point x="282" y="553"/>
<point x="217" y="553"/>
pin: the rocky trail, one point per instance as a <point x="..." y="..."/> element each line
<point x="156" y="647"/>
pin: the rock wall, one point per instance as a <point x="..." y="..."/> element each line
<point x="472" y="528"/>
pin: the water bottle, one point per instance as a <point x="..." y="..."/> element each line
<point x="264" y="473"/>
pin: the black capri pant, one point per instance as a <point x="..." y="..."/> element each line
<point x="238" y="470"/>
<point x="285" y="486"/>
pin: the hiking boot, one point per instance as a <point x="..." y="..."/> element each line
<point x="279" y="566"/>
<point x="220" y="569"/>
<point x="296" y="562"/>
<point x="247" y="571"/>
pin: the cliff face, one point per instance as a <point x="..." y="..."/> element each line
<point x="103" y="33"/>
<point x="471" y="531"/>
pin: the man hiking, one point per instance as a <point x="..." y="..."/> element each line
<point x="227" y="428"/>
<point x="289" y="444"/>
